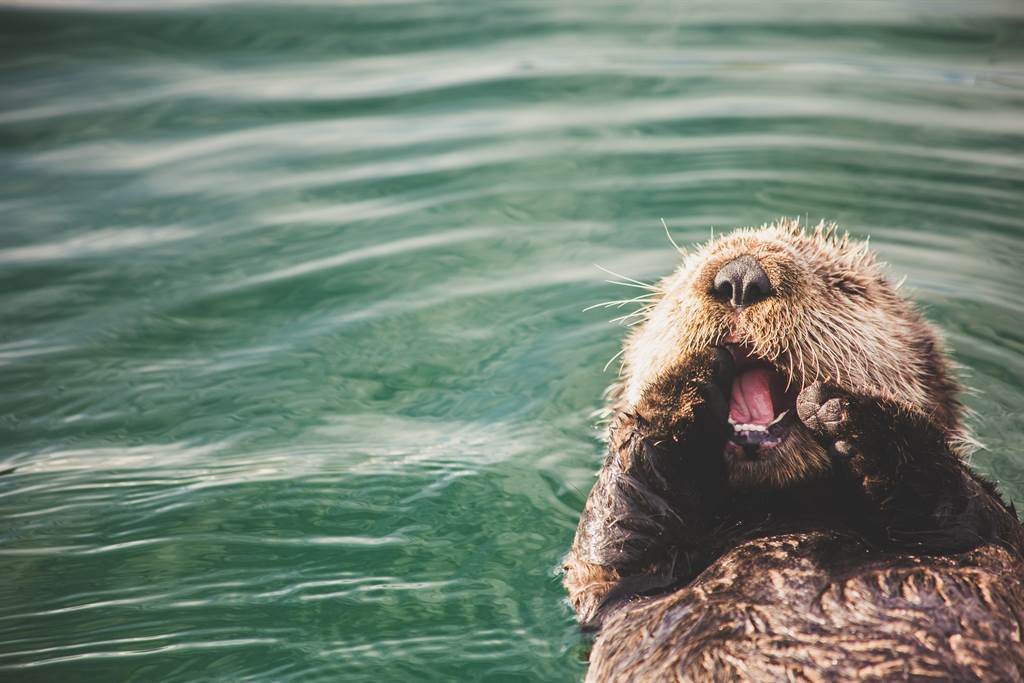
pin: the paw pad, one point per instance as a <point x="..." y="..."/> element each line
<point x="823" y="409"/>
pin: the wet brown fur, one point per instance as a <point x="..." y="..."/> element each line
<point x="796" y="608"/>
<point x="864" y="548"/>
<point x="836" y="318"/>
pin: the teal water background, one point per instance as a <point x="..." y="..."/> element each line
<point x="296" y="378"/>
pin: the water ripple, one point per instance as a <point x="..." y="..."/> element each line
<point x="300" y="380"/>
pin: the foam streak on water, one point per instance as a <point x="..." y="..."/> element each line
<point x="297" y="380"/>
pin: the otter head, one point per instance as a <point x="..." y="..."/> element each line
<point x="793" y="307"/>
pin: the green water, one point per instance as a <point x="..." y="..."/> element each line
<point x="297" y="380"/>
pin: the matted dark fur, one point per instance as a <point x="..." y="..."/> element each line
<point x="860" y="548"/>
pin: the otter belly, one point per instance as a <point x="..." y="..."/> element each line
<point x="822" y="607"/>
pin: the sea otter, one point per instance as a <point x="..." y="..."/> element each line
<point x="786" y="495"/>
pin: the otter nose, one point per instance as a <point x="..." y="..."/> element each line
<point x="742" y="282"/>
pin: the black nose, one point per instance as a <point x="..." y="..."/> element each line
<point x="742" y="282"/>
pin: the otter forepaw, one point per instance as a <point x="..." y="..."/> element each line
<point x="829" y="413"/>
<point x="698" y="386"/>
<point x="824" y="409"/>
<point x="717" y="384"/>
<point x="843" y="424"/>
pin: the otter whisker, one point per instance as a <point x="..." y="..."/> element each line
<point x="831" y="356"/>
<point x="653" y="288"/>
<point x="612" y="359"/>
<point x="617" y="303"/>
<point x="669" y="236"/>
<point x="789" y="368"/>
<point x="800" y="361"/>
<point x="623" y="318"/>
<point x="631" y="284"/>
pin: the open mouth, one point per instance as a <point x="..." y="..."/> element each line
<point x="761" y="408"/>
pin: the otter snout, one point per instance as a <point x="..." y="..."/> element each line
<point x="742" y="282"/>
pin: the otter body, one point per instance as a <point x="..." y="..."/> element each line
<point x="785" y="495"/>
<point x="820" y="606"/>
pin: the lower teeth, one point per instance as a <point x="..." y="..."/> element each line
<point x="757" y="427"/>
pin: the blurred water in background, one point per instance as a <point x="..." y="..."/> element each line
<point x="296" y="376"/>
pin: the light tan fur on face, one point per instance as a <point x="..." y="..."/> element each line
<point x="835" y="318"/>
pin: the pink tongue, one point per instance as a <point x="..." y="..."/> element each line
<point x="751" y="401"/>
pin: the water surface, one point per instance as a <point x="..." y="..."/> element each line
<point x="297" y="380"/>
